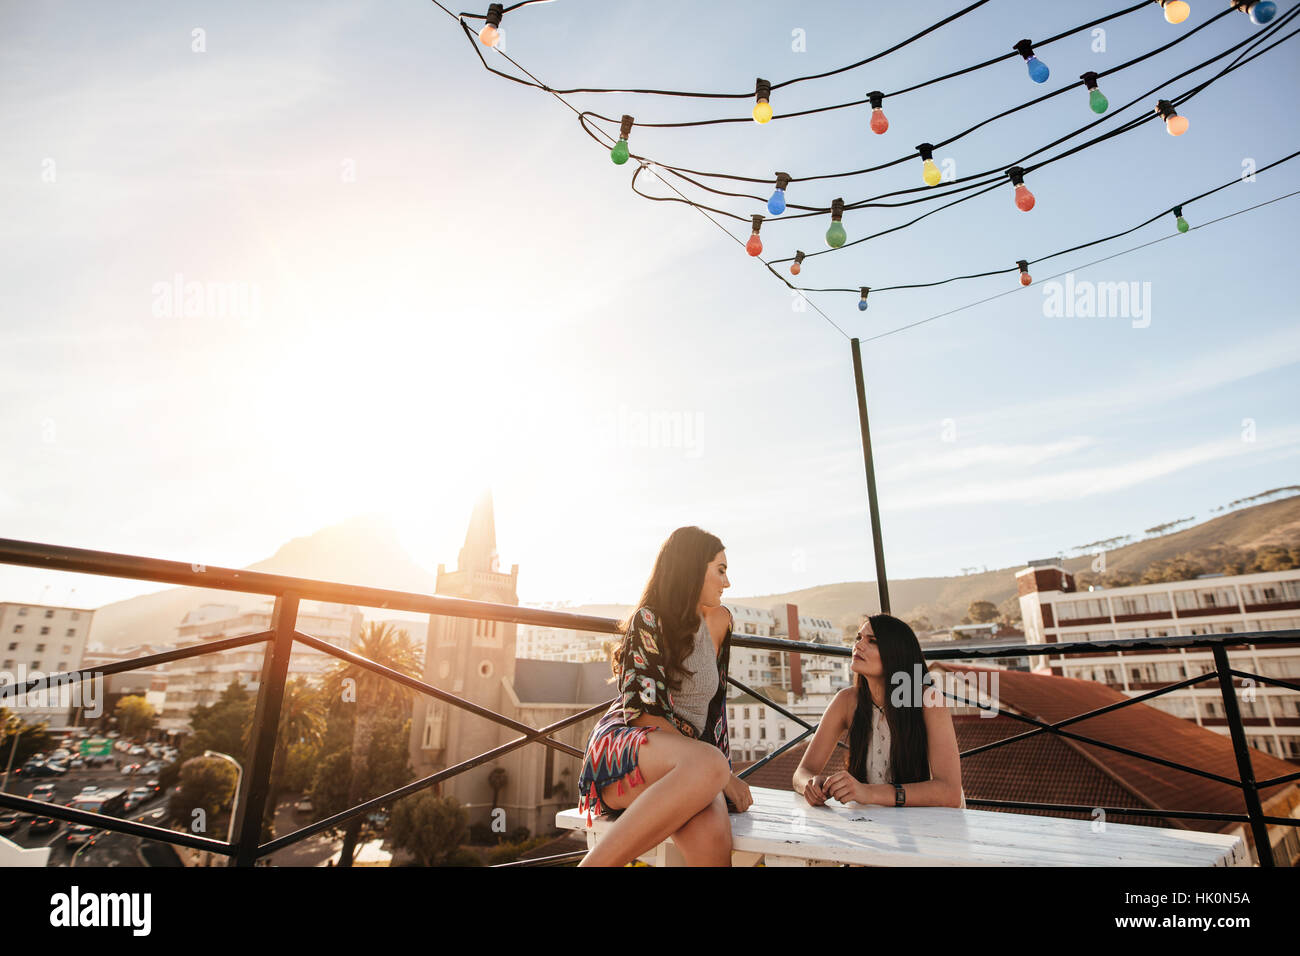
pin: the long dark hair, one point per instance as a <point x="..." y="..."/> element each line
<point x="900" y="652"/>
<point x="673" y="594"/>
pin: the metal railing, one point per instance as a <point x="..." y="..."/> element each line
<point x="254" y="790"/>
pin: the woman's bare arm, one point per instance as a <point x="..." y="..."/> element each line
<point x="807" y="776"/>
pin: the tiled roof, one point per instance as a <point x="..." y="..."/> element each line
<point x="1047" y="768"/>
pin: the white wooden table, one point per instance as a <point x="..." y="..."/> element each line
<point x="782" y="830"/>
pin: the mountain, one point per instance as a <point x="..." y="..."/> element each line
<point x="363" y="550"/>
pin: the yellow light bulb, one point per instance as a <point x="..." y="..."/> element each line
<point x="762" y="111"/>
<point x="930" y="173"/>
<point x="1176" y="11"/>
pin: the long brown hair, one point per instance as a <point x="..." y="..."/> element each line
<point x="909" y="754"/>
<point x="673" y="594"/>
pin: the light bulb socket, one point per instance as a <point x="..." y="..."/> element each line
<point x="837" y="210"/>
<point x="758" y="223"/>
<point x="762" y="89"/>
<point x="782" y="180"/>
<point x="1023" y="264"/>
<point x="625" y="127"/>
<point x="1025" y="49"/>
<point x="877" y="98"/>
<point x="1165" y="109"/>
<point x="493" y="18"/>
<point x="1017" y="175"/>
<point x="1089" y="79"/>
<point x="926" y="150"/>
<point x="865" y="289"/>
<point x="798" y="256"/>
<point x="1178" y="211"/>
<point x="1242" y="5"/>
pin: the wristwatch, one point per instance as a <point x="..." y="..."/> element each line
<point x="900" y="795"/>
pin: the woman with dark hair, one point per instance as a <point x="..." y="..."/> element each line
<point x="902" y="746"/>
<point x="658" y="762"/>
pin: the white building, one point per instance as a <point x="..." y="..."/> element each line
<point x="538" y="643"/>
<point x="1053" y="612"/>
<point x="200" y="680"/>
<point x="36" y="640"/>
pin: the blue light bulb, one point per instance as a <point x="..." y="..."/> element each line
<point x="1038" y="71"/>
<point x="1263" y="11"/>
<point x="862" y="305"/>
<point x="776" y="205"/>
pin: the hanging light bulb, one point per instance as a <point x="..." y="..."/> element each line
<point x="1175" y="124"/>
<point x="929" y="171"/>
<point x="1261" y="11"/>
<point x="1179" y="220"/>
<point x="762" y="108"/>
<point x="1096" y="99"/>
<point x="862" y="302"/>
<point x="776" y="204"/>
<point x="490" y="35"/>
<point x="1024" y="198"/>
<point x="1025" y="277"/>
<point x="1038" y="71"/>
<point x="755" y="245"/>
<point x="835" y="235"/>
<point x="1176" y="11"/>
<point x="797" y="266"/>
<point x="619" y="153"/>
<point x="879" y="123"/>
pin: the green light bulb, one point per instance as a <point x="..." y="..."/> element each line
<point x="1182" y="224"/>
<point x="835" y="235"/>
<point x="619" y="153"/>
<point x="1097" y="100"/>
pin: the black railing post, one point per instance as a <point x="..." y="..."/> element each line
<point x="876" y="540"/>
<point x="1245" y="770"/>
<point x="256" y="784"/>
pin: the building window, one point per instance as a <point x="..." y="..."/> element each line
<point x="72" y="632"/>
<point x="22" y="612"/>
<point x="485" y="669"/>
<point x="63" y="666"/>
<point x="781" y="731"/>
<point x="45" y="630"/>
<point x="18" y="628"/>
<point x="49" y="612"/>
<point x="40" y="648"/>
<point x="67" y="648"/>
<point x="762" y="714"/>
<point x="76" y="615"/>
<point x="747" y="713"/>
<point x="13" y="645"/>
<point x="762" y="733"/>
<point x="746" y="732"/>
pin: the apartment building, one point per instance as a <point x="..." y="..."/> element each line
<point x="42" y="639"/>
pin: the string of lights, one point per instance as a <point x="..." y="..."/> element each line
<point x="1086" y="265"/>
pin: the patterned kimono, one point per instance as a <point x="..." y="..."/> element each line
<point x="612" y="748"/>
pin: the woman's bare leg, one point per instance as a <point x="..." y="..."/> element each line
<point x="682" y="776"/>
<point x="705" y="840"/>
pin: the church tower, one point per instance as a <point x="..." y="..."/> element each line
<point x="471" y="659"/>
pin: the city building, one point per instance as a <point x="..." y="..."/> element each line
<point x="1055" y="612"/>
<point x="991" y="634"/>
<point x="41" y="639"/>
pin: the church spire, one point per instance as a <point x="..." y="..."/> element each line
<point x="480" y="551"/>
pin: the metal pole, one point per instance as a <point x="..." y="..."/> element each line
<point x="881" y="582"/>
<point x="1245" y="770"/>
<point x="239" y="779"/>
<point x="12" y="750"/>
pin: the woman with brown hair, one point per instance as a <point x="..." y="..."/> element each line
<point x="902" y="745"/>
<point x="658" y="762"/>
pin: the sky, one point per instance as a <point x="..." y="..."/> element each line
<point x="416" y="280"/>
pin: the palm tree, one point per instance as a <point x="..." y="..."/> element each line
<point x="373" y="696"/>
<point x="301" y="721"/>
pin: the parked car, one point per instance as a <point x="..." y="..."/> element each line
<point x="152" y="767"/>
<point x="41" y="770"/>
<point x="304" y="805"/>
<point x="130" y="769"/>
<point x="76" y="763"/>
<point x="43" y="825"/>
<point x="137" y="751"/>
<point x="89" y="788"/>
<point x="9" y="821"/>
<point x="142" y="793"/>
<point x="41" y="791"/>
<point x="154" y="785"/>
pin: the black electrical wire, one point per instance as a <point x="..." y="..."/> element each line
<point x="1084" y="245"/>
<point x="1116" y="255"/>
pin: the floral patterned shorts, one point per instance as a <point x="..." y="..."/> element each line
<point x="610" y="758"/>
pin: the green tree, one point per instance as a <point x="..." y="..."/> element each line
<point x="207" y="783"/>
<point x="135" y="715"/>
<point x="22" y="739"/>
<point x="224" y="725"/>
<point x="370" y="696"/>
<point x="429" y="826"/>
<point x="982" y="612"/>
<point x="302" y="721"/>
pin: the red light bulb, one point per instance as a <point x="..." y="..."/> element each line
<point x="1024" y="198"/>
<point x="795" y="268"/>
<point x="879" y="122"/>
<point x="1025" y="278"/>
<point x="755" y="245"/>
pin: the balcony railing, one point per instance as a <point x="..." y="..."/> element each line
<point x="244" y="848"/>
